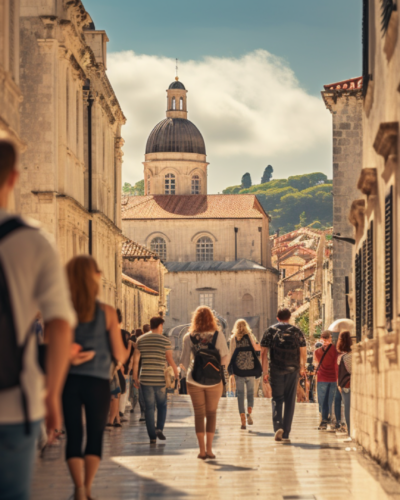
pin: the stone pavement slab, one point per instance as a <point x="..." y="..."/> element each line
<point x="249" y="464"/>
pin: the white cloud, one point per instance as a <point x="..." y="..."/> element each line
<point x="250" y="110"/>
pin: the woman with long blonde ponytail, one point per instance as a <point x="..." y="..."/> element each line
<point x="242" y="337"/>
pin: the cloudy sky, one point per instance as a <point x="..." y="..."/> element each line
<point x="254" y="71"/>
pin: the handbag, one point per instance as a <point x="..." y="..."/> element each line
<point x="233" y="368"/>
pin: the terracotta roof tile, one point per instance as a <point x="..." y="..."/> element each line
<point x="223" y="206"/>
<point x="132" y="249"/>
<point x="350" y="84"/>
<point x="145" y="288"/>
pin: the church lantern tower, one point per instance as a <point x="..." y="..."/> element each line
<point x="175" y="159"/>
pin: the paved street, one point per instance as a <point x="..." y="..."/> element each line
<point x="249" y="463"/>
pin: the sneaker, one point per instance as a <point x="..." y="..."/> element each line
<point x="278" y="435"/>
<point x="331" y="428"/>
<point x="153" y="441"/>
<point x="286" y="441"/>
<point x="249" y="419"/>
<point x="323" y="425"/>
<point x="160" y="435"/>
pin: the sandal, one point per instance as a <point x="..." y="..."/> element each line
<point x="210" y="456"/>
<point x="202" y="457"/>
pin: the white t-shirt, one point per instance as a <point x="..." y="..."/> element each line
<point x="36" y="282"/>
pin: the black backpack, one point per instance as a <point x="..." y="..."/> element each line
<point x="207" y="369"/>
<point x="285" y="350"/>
<point x="235" y="368"/>
<point x="11" y="354"/>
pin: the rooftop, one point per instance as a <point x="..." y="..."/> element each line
<point x="214" y="265"/>
<point x="137" y="284"/>
<point x="133" y="249"/>
<point x="216" y="206"/>
<point x="350" y="84"/>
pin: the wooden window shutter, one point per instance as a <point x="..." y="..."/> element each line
<point x="370" y="281"/>
<point x="358" y="295"/>
<point x="389" y="259"/>
<point x="364" y="278"/>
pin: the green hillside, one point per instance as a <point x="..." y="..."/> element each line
<point x="298" y="201"/>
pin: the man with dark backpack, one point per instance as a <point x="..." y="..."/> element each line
<point x="284" y="356"/>
<point x="31" y="279"/>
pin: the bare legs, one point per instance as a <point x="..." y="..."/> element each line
<point x="114" y="410"/>
<point x="87" y="468"/>
<point x="92" y="463"/>
<point x="205" y="402"/>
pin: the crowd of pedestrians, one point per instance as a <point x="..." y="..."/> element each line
<point x="95" y="370"/>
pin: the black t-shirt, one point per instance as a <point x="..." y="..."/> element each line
<point x="273" y="331"/>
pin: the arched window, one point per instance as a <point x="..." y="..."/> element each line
<point x="159" y="246"/>
<point x="247" y="305"/>
<point x="196" y="184"/>
<point x="204" y="249"/>
<point x="148" y="183"/>
<point x="173" y="103"/>
<point x="181" y="103"/>
<point x="169" y="184"/>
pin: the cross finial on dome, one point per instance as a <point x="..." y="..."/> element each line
<point x="176" y="67"/>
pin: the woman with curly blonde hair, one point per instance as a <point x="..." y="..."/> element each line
<point x="244" y="360"/>
<point x="204" y="334"/>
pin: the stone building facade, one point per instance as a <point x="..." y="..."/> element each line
<point x="375" y="213"/>
<point x="215" y="247"/>
<point x="10" y="92"/>
<point x="344" y="101"/>
<point x="71" y="123"/>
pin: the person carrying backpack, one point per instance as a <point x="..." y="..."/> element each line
<point x="285" y="346"/>
<point x="245" y="367"/>
<point x="31" y="279"/>
<point x="204" y="355"/>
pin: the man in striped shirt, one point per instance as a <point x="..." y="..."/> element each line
<point x="154" y="350"/>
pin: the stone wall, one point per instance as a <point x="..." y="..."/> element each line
<point x="234" y="295"/>
<point x="375" y="405"/>
<point x="181" y="237"/>
<point x="71" y="123"/>
<point x="346" y="108"/>
<point x="137" y="306"/>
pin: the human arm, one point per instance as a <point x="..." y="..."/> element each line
<point x="265" y="362"/>
<point x="135" y="367"/>
<point x="171" y="362"/>
<point x="119" y="352"/>
<point x="59" y="339"/>
<point x="185" y="356"/>
<point x="303" y="361"/>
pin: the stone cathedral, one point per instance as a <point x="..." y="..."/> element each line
<point x="215" y="247"/>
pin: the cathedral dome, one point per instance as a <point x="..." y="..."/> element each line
<point x="175" y="135"/>
<point x="177" y="85"/>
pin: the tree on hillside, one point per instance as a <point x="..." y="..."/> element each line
<point x="267" y="175"/>
<point x="136" y="190"/>
<point x="246" y="181"/>
<point x="303" y="221"/>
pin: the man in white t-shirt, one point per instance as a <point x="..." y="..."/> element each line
<point x="35" y="281"/>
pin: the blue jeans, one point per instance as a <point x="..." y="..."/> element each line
<point x="17" y="453"/>
<point x="346" y="396"/>
<point x="326" y="395"/>
<point x="154" y="395"/>
<point x="241" y="382"/>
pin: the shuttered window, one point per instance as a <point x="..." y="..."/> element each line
<point x="364" y="279"/>
<point x="389" y="259"/>
<point x="358" y="295"/>
<point x="370" y="281"/>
